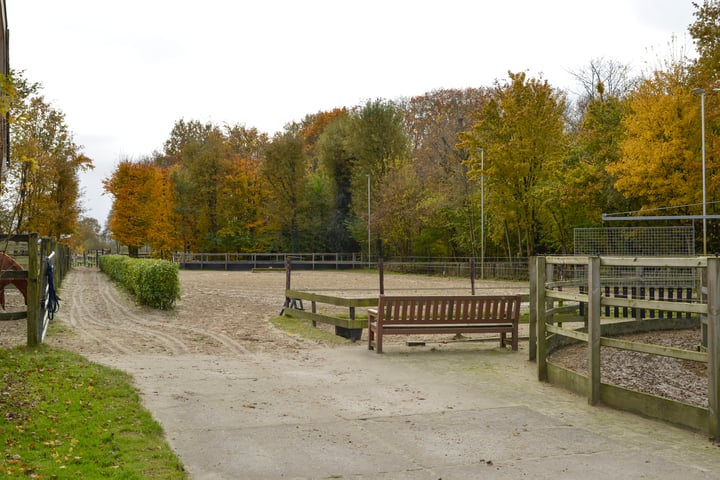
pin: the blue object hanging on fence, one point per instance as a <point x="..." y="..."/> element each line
<point x="52" y="304"/>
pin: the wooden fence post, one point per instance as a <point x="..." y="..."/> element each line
<point x="288" y="276"/>
<point x="472" y="276"/>
<point x="594" y="291"/>
<point x="540" y="318"/>
<point x="33" y="292"/>
<point x="713" y="346"/>
<point x="532" y="323"/>
<point x="381" y="273"/>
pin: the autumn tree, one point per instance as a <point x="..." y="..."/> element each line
<point x="400" y="212"/>
<point x="285" y="169"/>
<point x="521" y="130"/>
<point x="133" y="187"/>
<point x="434" y="121"/>
<point x="705" y="74"/>
<point x="245" y="142"/>
<point x="203" y="165"/>
<point x="586" y="189"/>
<point x="660" y="164"/>
<point x="312" y="128"/>
<point x="377" y="143"/>
<point x="318" y="214"/>
<point x="8" y="95"/>
<point x="337" y="162"/>
<point x="243" y="196"/>
<point x="88" y="235"/>
<point x="162" y="237"/>
<point x="184" y="133"/>
<point x="44" y="172"/>
<point x="600" y="80"/>
<point x="705" y="32"/>
<point x="243" y="192"/>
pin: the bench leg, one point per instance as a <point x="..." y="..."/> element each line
<point x="378" y="342"/>
<point x="371" y="336"/>
<point x="515" y="338"/>
<point x="503" y="341"/>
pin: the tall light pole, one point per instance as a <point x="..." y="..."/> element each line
<point x="368" y="220"/>
<point x="482" y="213"/>
<point x="701" y="92"/>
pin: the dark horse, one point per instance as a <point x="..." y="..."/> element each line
<point x="9" y="263"/>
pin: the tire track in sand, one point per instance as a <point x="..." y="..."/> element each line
<point x="101" y="314"/>
<point x="110" y="295"/>
<point x="80" y="315"/>
<point x="102" y="321"/>
<point x="124" y="318"/>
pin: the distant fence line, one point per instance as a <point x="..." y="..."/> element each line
<point x="495" y="268"/>
<point x="89" y="258"/>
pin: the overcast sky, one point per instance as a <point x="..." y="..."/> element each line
<point x="124" y="72"/>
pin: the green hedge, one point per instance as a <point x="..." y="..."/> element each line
<point x="153" y="282"/>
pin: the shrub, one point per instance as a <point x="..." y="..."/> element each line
<point x="153" y="282"/>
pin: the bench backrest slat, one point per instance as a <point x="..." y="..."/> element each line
<point x="448" y="309"/>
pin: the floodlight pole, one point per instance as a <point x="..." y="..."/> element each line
<point x="701" y="92"/>
<point x="482" y="213"/>
<point x="368" y="220"/>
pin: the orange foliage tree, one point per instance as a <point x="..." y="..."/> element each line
<point x="142" y="207"/>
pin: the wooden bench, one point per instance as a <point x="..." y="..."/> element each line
<point x="405" y="315"/>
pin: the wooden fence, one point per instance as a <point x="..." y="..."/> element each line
<point x="550" y="303"/>
<point x="46" y="262"/>
<point x="495" y="268"/>
<point x="255" y="261"/>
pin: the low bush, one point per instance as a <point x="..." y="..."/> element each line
<point x="153" y="282"/>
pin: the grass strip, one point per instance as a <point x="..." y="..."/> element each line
<point x="304" y="328"/>
<point x="66" y="417"/>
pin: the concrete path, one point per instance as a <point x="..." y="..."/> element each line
<point x="452" y="412"/>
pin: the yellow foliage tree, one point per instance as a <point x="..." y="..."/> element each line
<point x="521" y="130"/>
<point x="660" y="164"/>
<point x="162" y="237"/>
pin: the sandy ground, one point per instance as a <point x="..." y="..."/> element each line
<point x="219" y="313"/>
<point x="240" y="399"/>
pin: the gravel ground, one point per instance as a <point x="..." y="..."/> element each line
<point x="681" y="380"/>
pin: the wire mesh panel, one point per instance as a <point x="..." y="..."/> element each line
<point x="641" y="282"/>
<point x="675" y="241"/>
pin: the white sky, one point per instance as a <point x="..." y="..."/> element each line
<point x="124" y="71"/>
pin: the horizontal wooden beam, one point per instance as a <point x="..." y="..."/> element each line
<point x="685" y="262"/>
<point x="570" y="296"/>
<point x="654" y="349"/>
<point x="679" y="306"/>
<point x="330" y="320"/>
<point x="22" y="237"/>
<point x="332" y="300"/>
<point x="13" y="315"/>
<point x="13" y="274"/>
<point x="566" y="332"/>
